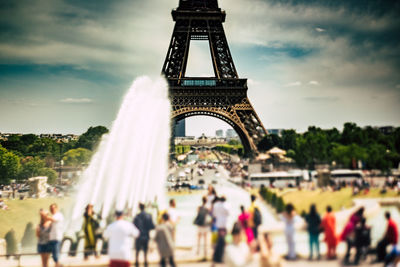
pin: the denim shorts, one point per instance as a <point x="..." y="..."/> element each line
<point x="43" y="248"/>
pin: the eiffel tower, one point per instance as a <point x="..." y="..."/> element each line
<point x="223" y="96"/>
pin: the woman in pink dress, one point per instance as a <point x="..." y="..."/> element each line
<point x="244" y="218"/>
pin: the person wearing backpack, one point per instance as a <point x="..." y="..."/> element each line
<point x="255" y="216"/>
<point x="202" y="227"/>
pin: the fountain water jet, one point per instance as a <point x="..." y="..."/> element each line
<point x="131" y="163"/>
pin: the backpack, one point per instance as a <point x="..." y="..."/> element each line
<point x="200" y="219"/>
<point x="257" y="218"/>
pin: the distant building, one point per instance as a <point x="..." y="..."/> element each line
<point x="180" y="129"/>
<point x="275" y="131"/>
<point x="219" y="133"/>
<point x="230" y="133"/>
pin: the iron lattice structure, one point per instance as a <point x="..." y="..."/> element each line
<point x="223" y="96"/>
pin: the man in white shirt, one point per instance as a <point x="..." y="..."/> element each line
<point x="120" y="235"/>
<point x="221" y="214"/>
<point x="56" y="232"/>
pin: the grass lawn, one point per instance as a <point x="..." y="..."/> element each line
<point x="338" y="200"/>
<point x="23" y="211"/>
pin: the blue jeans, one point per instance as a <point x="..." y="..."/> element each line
<point x="314" y="241"/>
<point x="55" y="246"/>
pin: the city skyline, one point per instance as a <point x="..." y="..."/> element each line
<point x="66" y="65"/>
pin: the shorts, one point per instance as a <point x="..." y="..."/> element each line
<point x="202" y="230"/>
<point x="119" y="263"/>
<point x="141" y="244"/>
<point x="43" y="248"/>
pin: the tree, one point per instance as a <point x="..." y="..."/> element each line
<point x="346" y="155"/>
<point x="32" y="167"/>
<point x="77" y="157"/>
<point x="311" y="148"/>
<point x="288" y="139"/>
<point x="44" y="147"/>
<point x="91" y="138"/>
<point x="378" y="157"/>
<point x="9" y="165"/>
<point x="352" y="134"/>
<point x="50" y="174"/>
<point x="269" y="141"/>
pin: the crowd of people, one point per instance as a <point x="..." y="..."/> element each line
<point x="213" y="214"/>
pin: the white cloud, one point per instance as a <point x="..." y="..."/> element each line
<point x="320" y="29"/>
<point x="252" y="82"/>
<point x="297" y="83"/>
<point x="313" y="82"/>
<point x="76" y="100"/>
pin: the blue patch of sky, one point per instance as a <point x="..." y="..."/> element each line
<point x="255" y="59"/>
<point x="23" y="70"/>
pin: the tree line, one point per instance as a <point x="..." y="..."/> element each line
<point x="25" y="156"/>
<point x="346" y="148"/>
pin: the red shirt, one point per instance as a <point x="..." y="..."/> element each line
<point x="392" y="233"/>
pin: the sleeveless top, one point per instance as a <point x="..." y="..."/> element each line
<point x="44" y="235"/>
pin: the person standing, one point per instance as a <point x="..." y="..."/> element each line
<point x="221" y="214"/>
<point x="313" y="227"/>
<point x="244" y="219"/>
<point x="173" y="216"/>
<point x="237" y="254"/>
<point x="165" y="243"/>
<point x="391" y="237"/>
<point x="255" y="216"/>
<point x="43" y="236"/>
<point x="90" y="226"/>
<point x="120" y="236"/>
<point x="202" y="227"/>
<point x="348" y="233"/>
<point x="288" y="217"/>
<point x="362" y="240"/>
<point x="56" y="232"/>
<point x="144" y="222"/>
<point x="329" y="226"/>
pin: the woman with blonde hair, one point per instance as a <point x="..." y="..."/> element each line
<point x="43" y="235"/>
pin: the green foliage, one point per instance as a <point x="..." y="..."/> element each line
<point x="44" y="147"/>
<point x="181" y="149"/>
<point x="273" y="199"/>
<point x="288" y="140"/>
<point x="280" y="205"/>
<point x="11" y="242"/>
<point x="231" y="149"/>
<point x="269" y="141"/>
<point x="29" y="237"/>
<point x="77" y="157"/>
<point x="31" y="167"/>
<point x="50" y="173"/>
<point x="9" y="165"/>
<point x="91" y="138"/>
<point x="234" y="142"/>
<point x="347" y="154"/>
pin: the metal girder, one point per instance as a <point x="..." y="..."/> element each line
<point x="225" y="95"/>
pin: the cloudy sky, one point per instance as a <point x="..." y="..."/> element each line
<point x="65" y="65"/>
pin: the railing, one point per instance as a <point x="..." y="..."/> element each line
<point x="208" y="82"/>
<point x="18" y="256"/>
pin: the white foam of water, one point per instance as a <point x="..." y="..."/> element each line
<point x="130" y="165"/>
